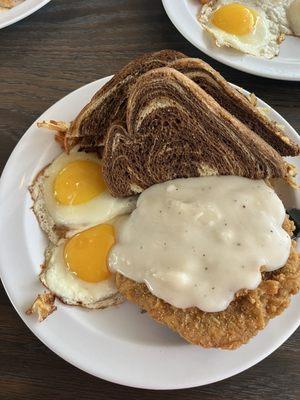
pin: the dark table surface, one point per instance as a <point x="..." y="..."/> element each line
<point x="42" y="58"/>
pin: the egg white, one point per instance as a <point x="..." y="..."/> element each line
<point x="263" y="41"/>
<point x="277" y="11"/>
<point x="59" y="220"/>
<point x="72" y="290"/>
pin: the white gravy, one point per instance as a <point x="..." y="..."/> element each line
<point x="197" y="241"/>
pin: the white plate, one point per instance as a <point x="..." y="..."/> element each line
<point x="118" y="344"/>
<point x="286" y="66"/>
<point x="21" y="11"/>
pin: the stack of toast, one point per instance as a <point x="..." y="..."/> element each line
<point x="166" y="116"/>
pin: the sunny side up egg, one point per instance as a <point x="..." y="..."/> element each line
<point x="74" y="208"/>
<point x="70" y="195"/>
<point x="242" y="25"/>
<point x="76" y="269"/>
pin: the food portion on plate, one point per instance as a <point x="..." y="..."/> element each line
<point x="73" y="206"/>
<point x="163" y="196"/>
<point x="255" y="27"/>
<point x="6" y="5"/>
<point x="70" y="195"/>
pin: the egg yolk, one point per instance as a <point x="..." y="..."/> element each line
<point x="86" y="253"/>
<point x="78" y="182"/>
<point x="234" y="18"/>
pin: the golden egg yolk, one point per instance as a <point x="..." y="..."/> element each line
<point x="234" y="18"/>
<point x="86" y="253"/>
<point x="78" y="182"/>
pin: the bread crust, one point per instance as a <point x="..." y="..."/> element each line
<point x="109" y="104"/>
<point x="236" y="103"/>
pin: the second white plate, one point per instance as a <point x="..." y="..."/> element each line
<point x="286" y="66"/>
<point x="21" y="11"/>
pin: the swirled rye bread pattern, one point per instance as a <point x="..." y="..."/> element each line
<point x="175" y="130"/>
<point x="236" y="103"/>
<point x="109" y="104"/>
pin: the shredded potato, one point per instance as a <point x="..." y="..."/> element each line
<point x="43" y="306"/>
<point x="59" y="126"/>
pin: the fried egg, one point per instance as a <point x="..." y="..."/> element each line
<point x="244" y="25"/>
<point x="70" y="195"/>
<point x="75" y="269"/>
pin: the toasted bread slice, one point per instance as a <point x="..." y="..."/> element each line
<point x="177" y="130"/>
<point x="109" y="103"/>
<point x="236" y="103"/>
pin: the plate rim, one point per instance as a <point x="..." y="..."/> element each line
<point x="53" y="347"/>
<point x="261" y="72"/>
<point x="20" y="12"/>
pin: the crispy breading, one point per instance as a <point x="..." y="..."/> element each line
<point x="43" y="305"/>
<point x="244" y="318"/>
